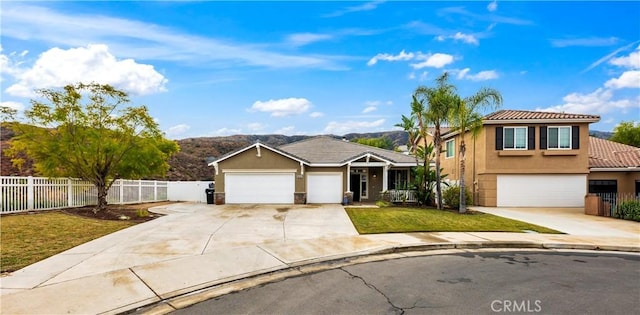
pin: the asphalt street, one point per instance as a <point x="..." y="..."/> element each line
<point x="480" y="282"/>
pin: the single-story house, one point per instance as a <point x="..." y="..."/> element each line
<point x="316" y="170"/>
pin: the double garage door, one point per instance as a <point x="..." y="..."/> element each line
<point x="279" y="188"/>
<point x="541" y="190"/>
<point x="273" y="188"/>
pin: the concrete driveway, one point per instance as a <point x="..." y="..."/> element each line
<point x="569" y="220"/>
<point x="189" y="229"/>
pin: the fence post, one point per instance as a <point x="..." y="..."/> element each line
<point x="155" y="190"/>
<point x="139" y="190"/>
<point x="30" y="194"/>
<point x="121" y="186"/>
<point x="69" y="193"/>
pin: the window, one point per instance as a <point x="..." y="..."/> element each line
<point x="603" y="186"/>
<point x="398" y="179"/>
<point x="450" y="147"/>
<point x="515" y="138"/>
<point x="559" y="138"/>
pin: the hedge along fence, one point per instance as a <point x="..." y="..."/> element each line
<point x="18" y="194"/>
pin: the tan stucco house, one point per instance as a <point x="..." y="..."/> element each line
<point x="525" y="159"/>
<point x="316" y="170"/>
<point x="613" y="167"/>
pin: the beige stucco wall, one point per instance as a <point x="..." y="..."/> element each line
<point x="489" y="162"/>
<point x="249" y="160"/>
<point x="626" y="180"/>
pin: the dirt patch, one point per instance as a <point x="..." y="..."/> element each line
<point x="284" y="209"/>
<point x="131" y="212"/>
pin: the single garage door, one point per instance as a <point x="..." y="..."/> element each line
<point x="541" y="190"/>
<point x="259" y="187"/>
<point x="324" y="188"/>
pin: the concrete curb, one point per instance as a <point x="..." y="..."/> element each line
<point x="305" y="267"/>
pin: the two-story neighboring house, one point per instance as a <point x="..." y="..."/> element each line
<point x="524" y="159"/>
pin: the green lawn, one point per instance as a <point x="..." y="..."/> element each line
<point x="397" y="219"/>
<point x="29" y="238"/>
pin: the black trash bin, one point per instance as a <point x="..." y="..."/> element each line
<point x="209" y="192"/>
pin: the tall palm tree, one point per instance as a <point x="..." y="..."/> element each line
<point x="440" y="101"/>
<point x="409" y="126"/>
<point x="466" y="118"/>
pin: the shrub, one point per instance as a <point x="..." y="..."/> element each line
<point x="451" y="196"/>
<point x="142" y="213"/>
<point x="629" y="210"/>
<point x="383" y="204"/>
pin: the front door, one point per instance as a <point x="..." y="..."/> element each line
<point x="355" y="187"/>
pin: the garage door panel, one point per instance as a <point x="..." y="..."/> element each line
<point x="259" y="187"/>
<point x="541" y="190"/>
<point x="324" y="188"/>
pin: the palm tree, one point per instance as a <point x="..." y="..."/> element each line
<point x="439" y="100"/>
<point x="465" y="117"/>
<point x="409" y="126"/>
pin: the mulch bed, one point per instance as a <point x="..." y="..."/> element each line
<point x="132" y="212"/>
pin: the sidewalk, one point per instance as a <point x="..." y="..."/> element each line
<point x="228" y="268"/>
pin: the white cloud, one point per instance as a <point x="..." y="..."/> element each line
<point x="148" y="41"/>
<point x="13" y="105"/>
<point x="628" y="79"/>
<point x="226" y="132"/>
<point x="94" y="63"/>
<point x="492" y="6"/>
<point x="301" y="39"/>
<point x="609" y="56"/>
<point x="373" y="103"/>
<point x="585" y="42"/>
<point x="402" y="56"/>
<point x="597" y="102"/>
<point x="288" y="130"/>
<point x="466" y="38"/>
<point x="352" y="126"/>
<point x="282" y="107"/>
<point x="436" y="60"/>
<point x="631" y="61"/>
<point x="177" y="130"/>
<point x="423" y="75"/>
<point x="411" y="76"/>
<point x="368" y="6"/>
<point x="369" y="109"/>
<point x="256" y="126"/>
<point x="480" y="76"/>
<point x="316" y="115"/>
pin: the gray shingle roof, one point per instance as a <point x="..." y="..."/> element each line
<point x="327" y="150"/>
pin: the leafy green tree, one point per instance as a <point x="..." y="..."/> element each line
<point x="439" y="100"/>
<point x="627" y="132"/>
<point x="84" y="131"/>
<point x="381" y="142"/>
<point x="464" y="117"/>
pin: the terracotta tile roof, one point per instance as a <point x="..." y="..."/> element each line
<point x="609" y="154"/>
<point x="531" y="115"/>
<point x="327" y="150"/>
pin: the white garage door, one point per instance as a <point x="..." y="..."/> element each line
<point x="324" y="188"/>
<point x="541" y="190"/>
<point x="259" y="187"/>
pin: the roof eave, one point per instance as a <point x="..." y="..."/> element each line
<point x="615" y="169"/>
<point x="539" y="121"/>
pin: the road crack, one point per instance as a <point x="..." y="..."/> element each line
<point x="398" y="310"/>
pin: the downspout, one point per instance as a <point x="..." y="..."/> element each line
<point x="473" y="190"/>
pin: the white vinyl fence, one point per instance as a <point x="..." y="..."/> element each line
<point x="19" y="194"/>
<point x="188" y="191"/>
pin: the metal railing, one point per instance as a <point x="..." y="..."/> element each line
<point x="18" y="194"/>
<point x="612" y="200"/>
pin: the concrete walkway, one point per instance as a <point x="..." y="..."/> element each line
<point x="200" y="247"/>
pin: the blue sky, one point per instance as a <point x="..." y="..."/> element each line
<point x="222" y="68"/>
